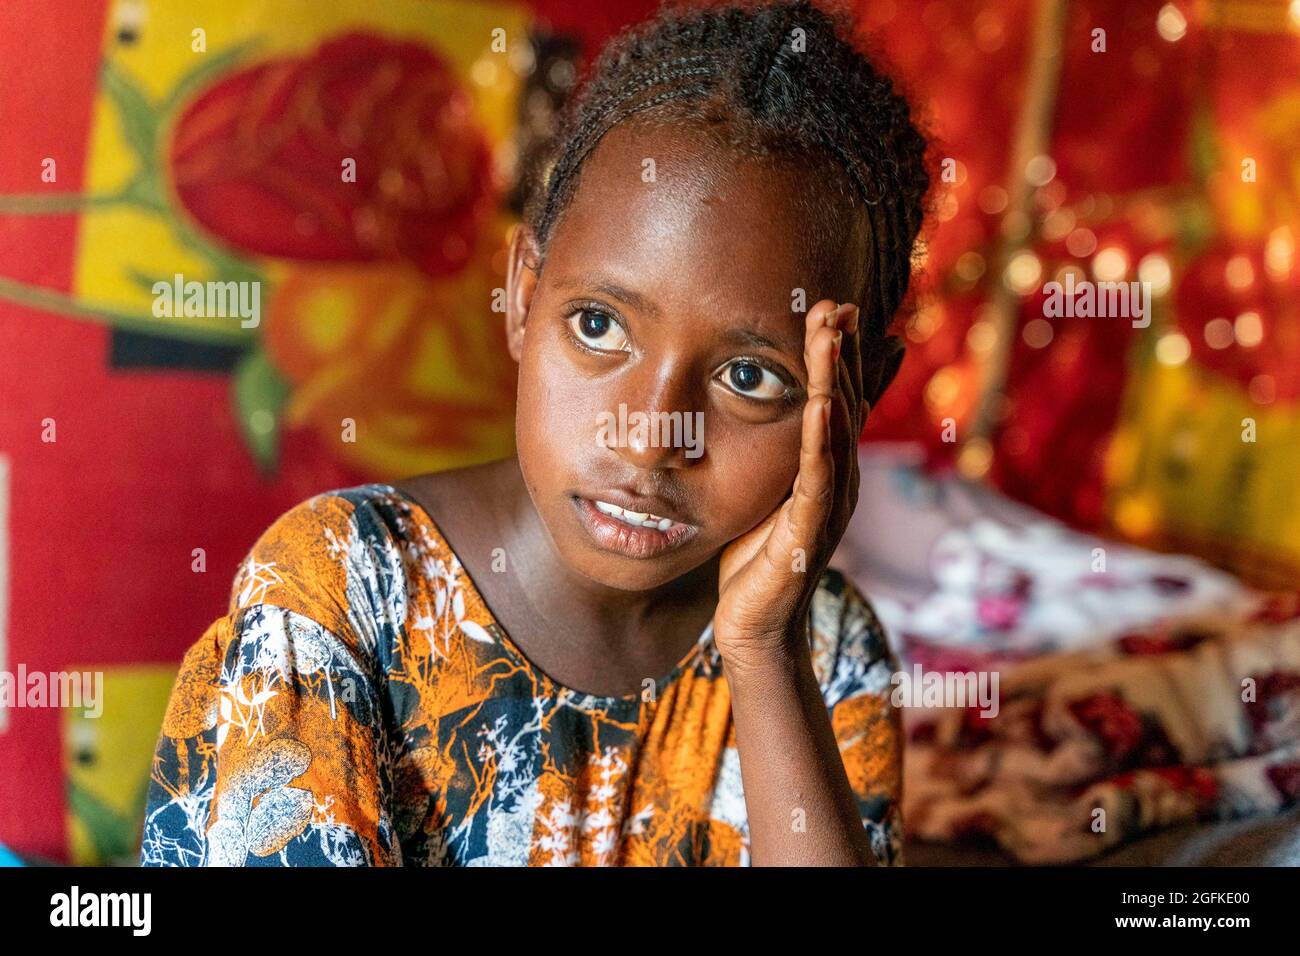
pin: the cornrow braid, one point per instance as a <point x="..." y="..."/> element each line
<point x="783" y="79"/>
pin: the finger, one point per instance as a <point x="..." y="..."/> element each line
<point x="844" y="318"/>
<point x="852" y="407"/>
<point x="818" y="330"/>
<point x="847" y="318"/>
<point x="827" y="330"/>
<point x="853" y="364"/>
<point x="846" y="426"/>
<point x="821" y="340"/>
<point x="814" y="486"/>
<point x="849" y="473"/>
<point x="854" y="357"/>
<point x="803" y="517"/>
<point x="817" y="316"/>
<point x="822" y="345"/>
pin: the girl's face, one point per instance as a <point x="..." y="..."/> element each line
<point x="662" y="374"/>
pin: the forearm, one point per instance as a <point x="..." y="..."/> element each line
<point x="802" y="811"/>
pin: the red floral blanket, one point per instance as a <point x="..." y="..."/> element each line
<point x="1134" y="690"/>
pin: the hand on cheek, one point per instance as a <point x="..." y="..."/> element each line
<point x="767" y="576"/>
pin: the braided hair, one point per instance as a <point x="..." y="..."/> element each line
<point x="780" y="78"/>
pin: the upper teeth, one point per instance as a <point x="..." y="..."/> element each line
<point x="644" y="519"/>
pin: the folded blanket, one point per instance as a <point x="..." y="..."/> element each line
<point x="1134" y="690"/>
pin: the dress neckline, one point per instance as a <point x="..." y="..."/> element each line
<point x="697" y="650"/>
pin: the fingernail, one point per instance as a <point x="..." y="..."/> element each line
<point x="830" y="317"/>
<point x="839" y="338"/>
<point x="852" y="314"/>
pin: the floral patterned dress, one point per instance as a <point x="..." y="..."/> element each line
<point x="358" y="705"/>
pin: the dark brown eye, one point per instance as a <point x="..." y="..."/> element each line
<point x="753" y="381"/>
<point x="746" y="377"/>
<point x="593" y="325"/>
<point x="598" y="331"/>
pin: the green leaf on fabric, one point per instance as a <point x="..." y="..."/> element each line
<point x="138" y="116"/>
<point x="259" y="393"/>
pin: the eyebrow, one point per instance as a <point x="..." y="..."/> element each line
<point x="626" y="296"/>
<point x="757" y="340"/>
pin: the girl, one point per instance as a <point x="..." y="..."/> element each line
<point x="614" y="648"/>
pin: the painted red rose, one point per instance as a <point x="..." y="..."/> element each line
<point x="261" y="158"/>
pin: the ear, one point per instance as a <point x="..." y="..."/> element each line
<point x="521" y="282"/>
<point x="886" y="359"/>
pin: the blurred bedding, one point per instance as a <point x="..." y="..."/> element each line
<point x="1138" y="691"/>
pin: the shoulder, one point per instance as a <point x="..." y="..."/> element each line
<point x="465" y="501"/>
<point x="338" y="559"/>
<point x="851" y="652"/>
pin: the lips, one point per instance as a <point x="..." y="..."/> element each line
<point x="622" y="529"/>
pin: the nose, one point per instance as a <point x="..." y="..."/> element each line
<point x="658" y="423"/>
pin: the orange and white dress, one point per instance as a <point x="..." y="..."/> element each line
<point x="359" y="706"/>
